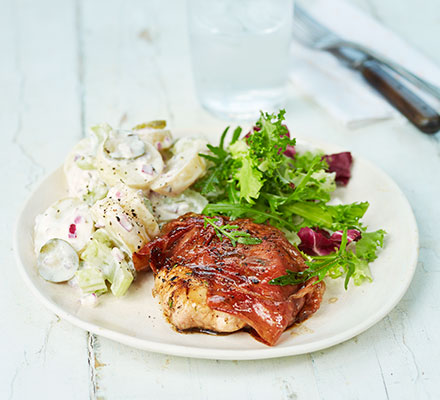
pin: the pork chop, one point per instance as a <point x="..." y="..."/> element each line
<point x="204" y="281"/>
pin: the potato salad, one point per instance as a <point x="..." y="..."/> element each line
<point x="122" y="186"/>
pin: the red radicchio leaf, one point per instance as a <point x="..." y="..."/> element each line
<point x="290" y="151"/>
<point x="341" y="164"/>
<point x="317" y="242"/>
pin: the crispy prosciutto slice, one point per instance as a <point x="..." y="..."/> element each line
<point x="204" y="282"/>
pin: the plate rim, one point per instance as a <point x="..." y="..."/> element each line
<point x="230" y="354"/>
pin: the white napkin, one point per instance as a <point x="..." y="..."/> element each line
<point x="339" y="90"/>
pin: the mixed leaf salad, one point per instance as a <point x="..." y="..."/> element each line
<point x="124" y="184"/>
<point x="261" y="176"/>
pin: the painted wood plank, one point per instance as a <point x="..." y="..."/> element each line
<point x="122" y="84"/>
<point x="41" y="355"/>
<point x="166" y="377"/>
<point x="136" y="67"/>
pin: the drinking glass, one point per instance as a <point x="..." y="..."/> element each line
<point x="240" y="53"/>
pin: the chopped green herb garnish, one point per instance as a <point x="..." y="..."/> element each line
<point x="231" y="232"/>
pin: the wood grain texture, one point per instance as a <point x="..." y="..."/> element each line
<point x="38" y="53"/>
<point x="69" y="64"/>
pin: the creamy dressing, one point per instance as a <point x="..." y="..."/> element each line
<point x="82" y="177"/>
<point x="168" y="208"/>
<point x="68" y="219"/>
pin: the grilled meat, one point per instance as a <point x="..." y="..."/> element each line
<point x="183" y="300"/>
<point x="204" y="282"/>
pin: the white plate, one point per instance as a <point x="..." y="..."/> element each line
<point x="136" y="319"/>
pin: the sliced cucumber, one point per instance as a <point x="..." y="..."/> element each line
<point x="124" y="147"/>
<point x="57" y="261"/>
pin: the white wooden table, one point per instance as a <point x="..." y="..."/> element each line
<point x="68" y="64"/>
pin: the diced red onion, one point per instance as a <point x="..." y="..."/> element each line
<point x="125" y="223"/>
<point x="147" y="169"/>
<point x="117" y="254"/>
<point x="90" y="300"/>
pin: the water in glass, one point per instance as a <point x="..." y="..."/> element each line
<point x="240" y="54"/>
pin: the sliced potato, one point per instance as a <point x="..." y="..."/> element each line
<point x="123" y="227"/>
<point x="134" y="203"/>
<point x="183" y="169"/>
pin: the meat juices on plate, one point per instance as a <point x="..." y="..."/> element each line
<point x="204" y="282"/>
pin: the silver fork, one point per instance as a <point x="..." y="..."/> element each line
<point x="312" y="34"/>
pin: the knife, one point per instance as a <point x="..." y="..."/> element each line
<point x="416" y="110"/>
<point x="376" y="71"/>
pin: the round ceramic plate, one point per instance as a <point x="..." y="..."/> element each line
<point x="136" y="319"/>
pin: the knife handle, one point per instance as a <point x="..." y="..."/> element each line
<point x="420" y="114"/>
